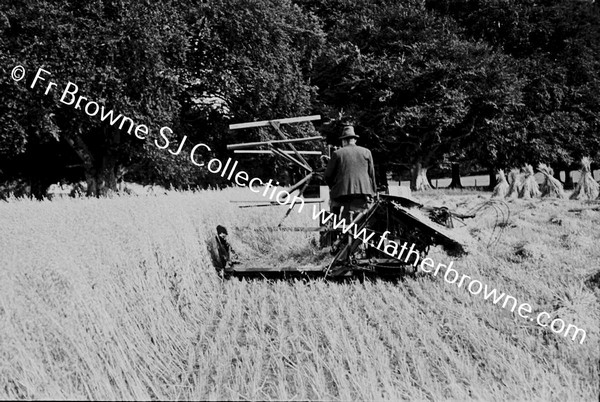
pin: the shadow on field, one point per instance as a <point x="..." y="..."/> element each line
<point x="594" y="281"/>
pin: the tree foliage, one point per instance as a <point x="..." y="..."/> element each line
<point x="428" y="84"/>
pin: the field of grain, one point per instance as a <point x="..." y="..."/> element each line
<point x="118" y="299"/>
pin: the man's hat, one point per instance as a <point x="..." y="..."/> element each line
<point x="348" y="132"/>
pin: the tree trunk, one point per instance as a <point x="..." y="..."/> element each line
<point x="419" y="181"/>
<point x="493" y="180"/>
<point x="100" y="173"/>
<point x="102" y="181"/>
<point x="556" y="169"/>
<point x="107" y="175"/>
<point x="90" y="179"/>
<point x="568" y="180"/>
<point x="86" y="157"/>
<point x="431" y="182"/>
<point x="455" y="183"/>
<point x="381" y="176"/>
<point x="38" y="188"/>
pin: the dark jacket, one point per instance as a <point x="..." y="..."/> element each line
<point x="351" y="171"/>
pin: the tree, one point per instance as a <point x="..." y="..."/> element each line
<point x="554" y="46"/>
<point x="124" y="57"/>
<point x="255" y="57"/>
<point x="412" y="83"/>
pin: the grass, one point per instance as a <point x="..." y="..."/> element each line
<point x="118" y="299"/>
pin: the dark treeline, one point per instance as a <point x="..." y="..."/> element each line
<point x="429" y="85"/>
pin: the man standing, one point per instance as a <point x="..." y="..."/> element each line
<point x="350" y="176"/>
